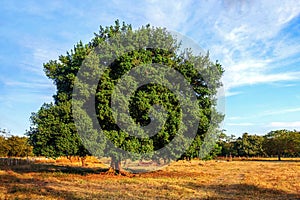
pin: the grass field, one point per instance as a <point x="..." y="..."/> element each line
<point x="265" y="179"/>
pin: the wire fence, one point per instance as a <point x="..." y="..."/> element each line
<point x="15" y="161"/>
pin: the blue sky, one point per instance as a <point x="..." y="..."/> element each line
<point x="257" y="42"/>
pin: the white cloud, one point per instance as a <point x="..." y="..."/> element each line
<point x="280" y="112"/>
<point x="232" y="31"/>
<point x="10" y="101"/>
<point x="240" y="124"/>
<point x="235" y="118"/>
<point x="171" y="14"/>
<point x="29" y="85"/>
<point x="262" y="19"/>
<point x="35" y="8"/>
<point x="234" y="79"/>
<point x="249" y="44"/>
<point x="230" y="93"/>
<point x="294" y="124"/>
<point x="242" y="35"/>
<point x="262" y="114"/>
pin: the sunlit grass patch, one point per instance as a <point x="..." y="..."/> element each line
<point x="181" y="180"/>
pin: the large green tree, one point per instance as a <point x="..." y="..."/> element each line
<point x="53" y="132"/>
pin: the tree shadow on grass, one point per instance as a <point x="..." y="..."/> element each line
<point x="18" y="186"/>
<point x="28" y="188"/>
<point x="243" y="191"/>
<point x="42" y="167"/>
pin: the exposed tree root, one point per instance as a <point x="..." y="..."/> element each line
<point x="114" y="172"/>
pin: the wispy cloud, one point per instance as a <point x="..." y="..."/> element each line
<point x="247" y="20"/>
<point x="167" y="14"/>
<point x="242" y="77"/>
<point x="239" y="29"/>
<point x="31" y="8"/>
<point x="240" y="124"/>
<point x="11" y="100"/>
<point x="293" y="124"/>
<point x="242" y="35"/>
<point x="28" y="85"/>
<point x="235" y="118"/>
<point x="238" y="119"/>
<point x="231" y="93"/>
<point x="248" y="48"/>
<point x="280" y="112"/>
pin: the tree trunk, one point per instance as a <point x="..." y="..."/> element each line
<point x="115" y="164"/>
<point x="118" y="166"/>
<point x="279" y="158"/>
<point x="69" y="158"/>
<point x="112" y="163"/>
<point x="83" y="161"/>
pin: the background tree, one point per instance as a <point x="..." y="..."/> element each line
<point x="252" y="145"/>
<point x="227" y="144"/>
<point x="14" y="146"/>
<point x="4" y="147"/>
<point x="5" y="133"/>
<point x="18" y="147"/>
<point x="294" y="144"/>
<point x="282" y="142"/>
<point x="279" y="142"/>
<point x="247" y="145"/>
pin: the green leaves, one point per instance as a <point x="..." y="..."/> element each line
<point x="279" y="142"/>
<point x="15" y="146"/>
<point x="282" y="142"/>
<point x="53" y="133"/>
<point x="106" y="60"/>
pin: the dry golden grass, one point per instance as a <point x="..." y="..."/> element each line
<point x="267" y="179"/>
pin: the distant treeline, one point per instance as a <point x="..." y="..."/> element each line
<point x="14" y="146"/>
<point x="280" y="143"/>
<point x="276" y="143"/>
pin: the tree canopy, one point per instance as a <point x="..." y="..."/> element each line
<point x="14" y="146"/>
<point x="106" y="61"/>
<point x="275" y="143"/>
<point x="282" y="142"/>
